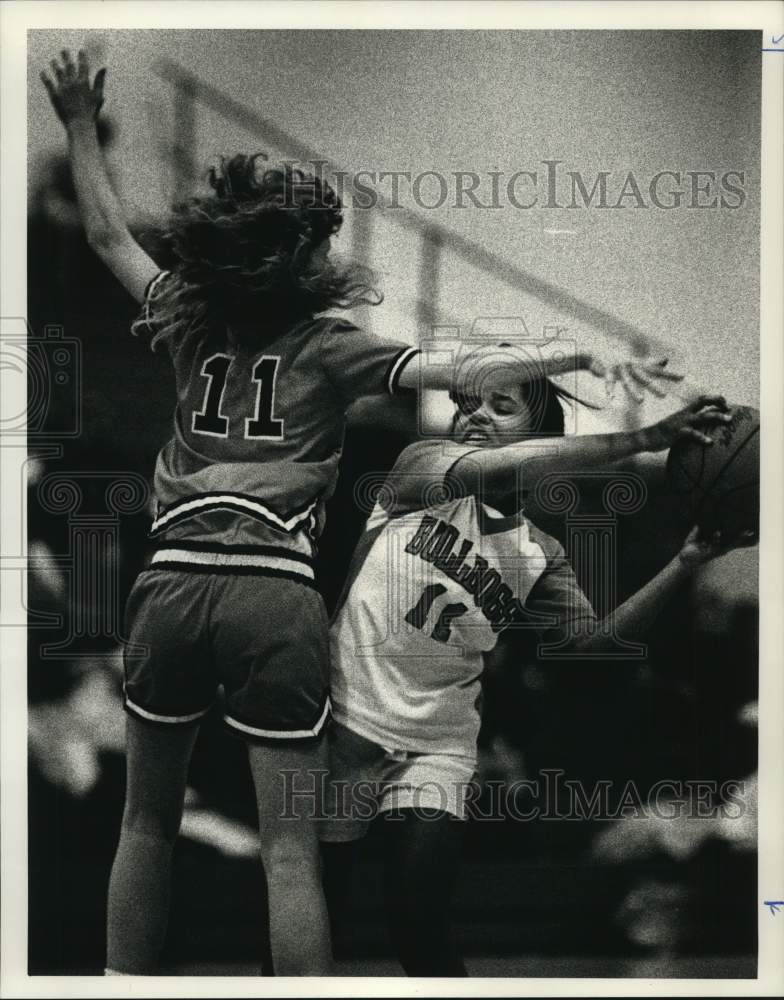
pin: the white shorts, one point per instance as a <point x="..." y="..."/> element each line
<point x="367" y="779"/>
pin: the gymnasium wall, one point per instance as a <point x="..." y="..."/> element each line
<point x="619" y="102"/>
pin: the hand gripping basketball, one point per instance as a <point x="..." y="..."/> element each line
<point x="693" y="423"/>
<point x="718" y="487"/>
<point x="699" y="548"/>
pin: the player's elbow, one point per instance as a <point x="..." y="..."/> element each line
<point x="106" y="239"/>
<point x="579" y="638"/>
<point x="582" y="645"/>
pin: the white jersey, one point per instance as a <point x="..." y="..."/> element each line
<point x="431" y="588"/>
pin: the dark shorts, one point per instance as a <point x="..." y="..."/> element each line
<point x="264" y="639"/>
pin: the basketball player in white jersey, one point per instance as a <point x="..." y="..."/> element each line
<point x="448" y="563"/>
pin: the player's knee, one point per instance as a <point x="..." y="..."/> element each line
<point x="156" y="825"/>
<point x="290" y="858"/>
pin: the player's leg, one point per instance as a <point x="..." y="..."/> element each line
<point x="338" y="861"/>
<point x="422" y="859"/>
<point x="299" y="926"/>
<point x="424" y="805"/>
<point x="270" y="641"/>
<point x="169" y="686"/>
<point x="350" y="804"/>
<point x="140" y="883"/>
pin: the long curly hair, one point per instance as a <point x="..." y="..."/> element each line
<point x="244" y="255"/>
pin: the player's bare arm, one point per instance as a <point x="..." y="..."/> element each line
<point x="77" y="103"/>
<point x="636" y="615"/>
<point x="494" y="366"/>
<point x="497" y="469"/>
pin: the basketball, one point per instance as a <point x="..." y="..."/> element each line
<point x="718" y="484"/>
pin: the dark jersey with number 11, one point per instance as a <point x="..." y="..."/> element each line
<point x="257" y="440"/>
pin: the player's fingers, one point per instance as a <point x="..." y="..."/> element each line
<point x="716" y="542"/>
<point x="659" y="370"/>
<point x="647" y="384"/>
<point x="83" y="64"/>
<point x="699" y="536"/>
<point x="692" y="434"/>
<point x="68" y="63"/>
<point x="609" y="377"/>
<point x="631" y="390"/>
<point x="639" y="376"/>
<point x="100" y="76"/>
<point x="47" y="83"/>
<point x="711" y="415"/>
<point x="57" y="71"/>
<point x="704" y="400"/>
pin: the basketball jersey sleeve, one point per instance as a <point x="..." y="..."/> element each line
<point x="148" y="326"/>
<point x="422" y="476"/>
<point x="557" y="594"/>
<point x="357" y="363"/>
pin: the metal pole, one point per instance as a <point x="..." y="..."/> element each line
<point x="184" y="145"/>
<point x="429" y="281"/>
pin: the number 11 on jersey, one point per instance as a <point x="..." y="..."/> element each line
<point x="417" y="616"/>
<point x="212" y="421"/>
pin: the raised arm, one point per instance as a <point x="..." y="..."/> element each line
<point x="77" y="104"/>
<point x="497" y="470"/>
<point x="479" y="368"/>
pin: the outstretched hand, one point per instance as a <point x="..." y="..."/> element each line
<point x="691" y="423"/>
<point x="636" y="377"/>
<point x="71" y="94"/>
<point x="699" y="549"/>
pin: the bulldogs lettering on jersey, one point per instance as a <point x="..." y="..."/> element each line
<point x="436" y="542"/>
<point x="429" y="592"/>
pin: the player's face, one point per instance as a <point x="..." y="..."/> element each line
<point x="499" y="417"/>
